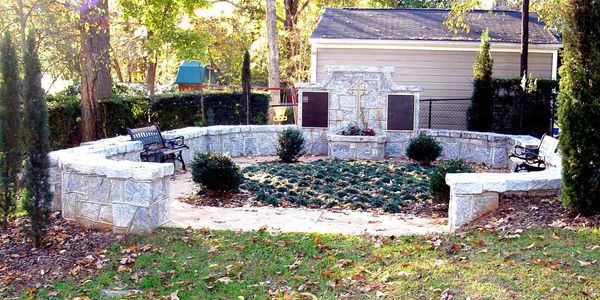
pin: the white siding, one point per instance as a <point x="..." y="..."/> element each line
<point x="442" y="74"/>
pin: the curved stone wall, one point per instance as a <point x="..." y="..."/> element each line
<point x="104" y="184"/>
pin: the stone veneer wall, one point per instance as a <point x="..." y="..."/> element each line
<point x="104" y="184"/>
<point x="492" y="149"/>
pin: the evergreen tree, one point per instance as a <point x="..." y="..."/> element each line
<point x="10" y="127"/>
<point x="38" y="196"/>
<point x="579" y="106"/>
<point x="246" y="77"/>
<point x="480" y="114"/>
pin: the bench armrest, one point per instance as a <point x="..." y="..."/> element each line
<point x="175" y="142"/>
<point x="151" y="146"/>
<point x="520" y="151"/>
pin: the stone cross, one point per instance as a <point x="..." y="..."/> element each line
<point x="360" y="90"/>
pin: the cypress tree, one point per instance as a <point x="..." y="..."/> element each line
<point x="10" y="127"/>
<point x="246" y="77"/>
<point x="579" y="106"/>
<point x="38" y="196"/>
<point x="480" y="114"/>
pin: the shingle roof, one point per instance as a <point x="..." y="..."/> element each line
<point x="426" y="24"/>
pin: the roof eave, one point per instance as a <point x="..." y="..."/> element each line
<point x="356" y="43"/>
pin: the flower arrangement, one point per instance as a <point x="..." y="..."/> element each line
<point x="353" y="129"/>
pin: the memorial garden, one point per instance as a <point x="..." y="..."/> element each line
<point x="354" y="182"/>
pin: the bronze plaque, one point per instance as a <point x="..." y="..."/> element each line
<point x="401" y="112"/>
<point x="315" y="108"/>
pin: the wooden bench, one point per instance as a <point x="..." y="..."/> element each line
<point x="156" y="147"/>
<point x="533" y="158"/>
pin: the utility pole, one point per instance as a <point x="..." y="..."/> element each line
<point x="524" y="53"/>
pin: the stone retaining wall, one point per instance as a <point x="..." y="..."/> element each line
<point x="104" y="184"/>
<point x="474" y="194"/>
<point x="356" y="147"/>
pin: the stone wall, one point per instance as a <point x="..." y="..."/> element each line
<point x="104" y="184"/>
<point x="482" y="147"/>
<point x="359" y="95"/>
<point x="356" y="147"/>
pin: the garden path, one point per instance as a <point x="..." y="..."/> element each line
<point x="277" y="219"/>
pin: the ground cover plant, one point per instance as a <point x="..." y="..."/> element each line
<point x="203" y="264"/>
<point x="353" y="184"/>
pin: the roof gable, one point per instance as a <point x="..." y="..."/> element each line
<point x="426" y="24"/>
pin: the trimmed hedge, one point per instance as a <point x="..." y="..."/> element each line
<point x="537" y="112"/>
<point x="169" y="111"/>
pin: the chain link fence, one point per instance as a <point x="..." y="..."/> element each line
<point x="444" y="113"/>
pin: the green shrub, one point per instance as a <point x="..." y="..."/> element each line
<point x="479" y="114"/>
<point x="437" y="183"/>
<point x="38" y="198"/>
<point x="217" y="174"/>
<point x="11" y="152"/>
<point x="579" y="111"/>
<point x="170" y="111"/>
<point x="290" y="145"/>
<point x="423" y="149"/>
<point x="537" y="111"/>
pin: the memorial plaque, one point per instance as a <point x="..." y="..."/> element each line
<point x="315" y="106"/>
<point x="401" y="112"/>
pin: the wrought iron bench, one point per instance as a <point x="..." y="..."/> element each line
<point x="156" y="147"/>
<point x="533" y="158"/>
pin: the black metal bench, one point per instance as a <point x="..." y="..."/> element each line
<point x="532" y="158"/>
<point x="156" y="147"/>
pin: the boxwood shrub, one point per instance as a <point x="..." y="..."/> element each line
<point x="217" y="174"/>
<point x="423" y="149"/>
<point x="437" y="183"/>
<point x="290" y="145"/>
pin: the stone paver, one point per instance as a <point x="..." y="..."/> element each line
<point x="292" y="219"/>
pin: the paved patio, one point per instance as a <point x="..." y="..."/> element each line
<point x="276" y="219"/>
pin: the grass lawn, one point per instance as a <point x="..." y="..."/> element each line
<point x="534" y="264"/>
<point x="355" y="184"/>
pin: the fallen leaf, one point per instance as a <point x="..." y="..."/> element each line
<point x="584" y="263"/>
<point x="174" y="295"/>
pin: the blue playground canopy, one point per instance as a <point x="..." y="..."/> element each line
<point x="190" y="72"/>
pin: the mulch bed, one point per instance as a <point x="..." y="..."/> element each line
<point x="69" y="250"/>
<point x="518" y="212"/>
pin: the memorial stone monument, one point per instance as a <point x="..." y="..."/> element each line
<point x="365" y="97"/>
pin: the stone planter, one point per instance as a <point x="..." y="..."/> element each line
<point x="356" y="147"/>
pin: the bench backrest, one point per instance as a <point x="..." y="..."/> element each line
<point x="548" y="145"/>
<point x="147" y="135"/>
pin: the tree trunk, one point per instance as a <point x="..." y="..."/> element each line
<point x="274" y="77"/>
<point x="22" y="25"/>
<point x="151" y="71"/>
<point x="117" y="67"/>
<point x="292" y="41"/>
<point x="96" y="83"/>
<point x="524" y="53"/>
